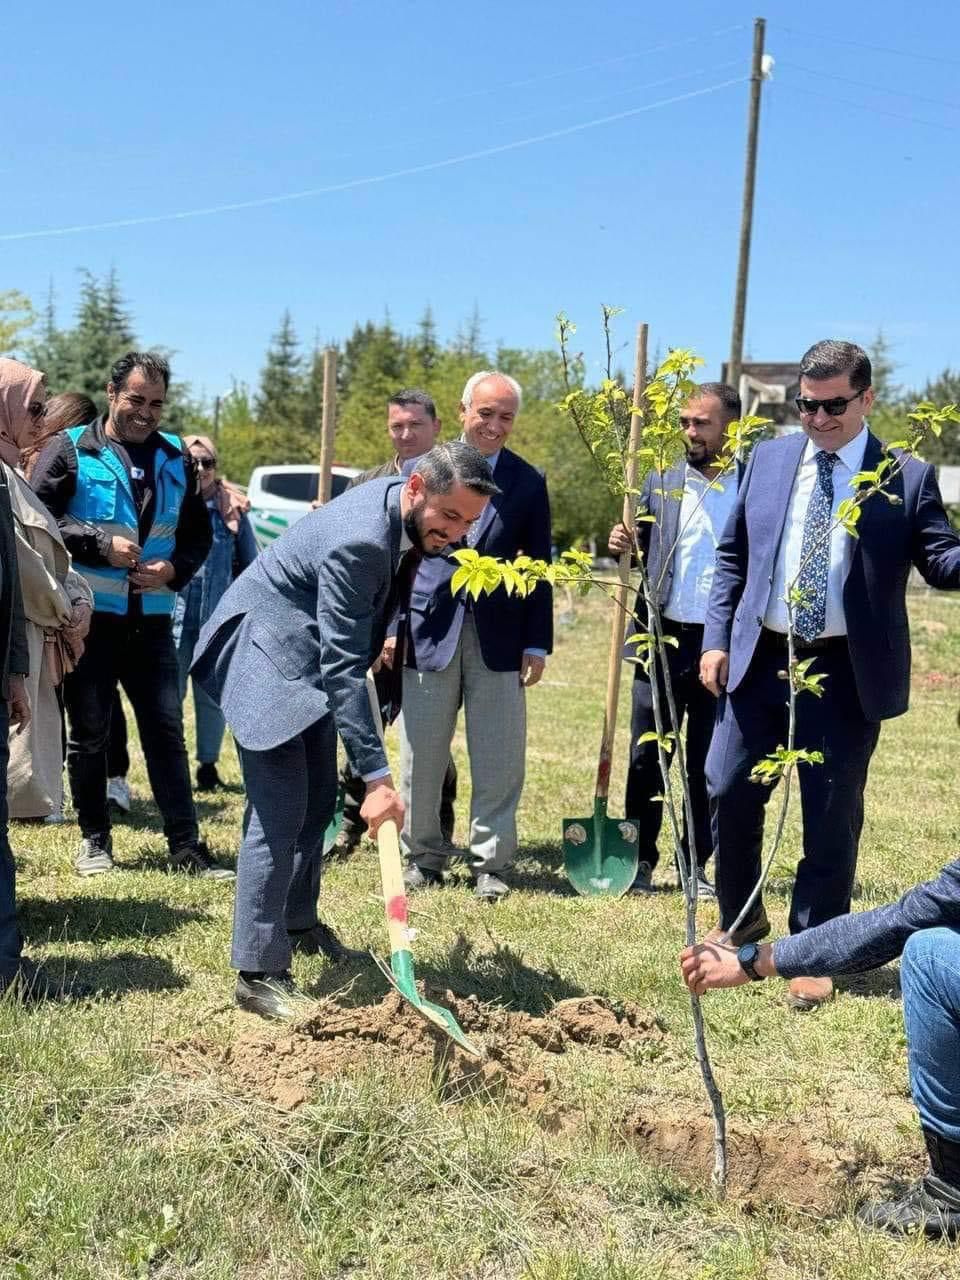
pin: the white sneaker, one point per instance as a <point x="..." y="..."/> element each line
<point x="118" y="793"/>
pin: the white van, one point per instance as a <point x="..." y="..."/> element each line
<point x="280" y="496"/>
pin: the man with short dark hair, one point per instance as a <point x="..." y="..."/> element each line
<point x="852" y="624"/>
<point x="413" y="427"/>
<point x="127" y="499"/>
<point x="679" y="553"/>
<point x="286" y="656"/>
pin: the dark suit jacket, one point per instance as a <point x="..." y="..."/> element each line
<point x="14" y="656"/>
<point x="506" y="625"/>
<point x="292" y="638"/>
<point x="891" y="539"/>
<point x="868" y="939"/>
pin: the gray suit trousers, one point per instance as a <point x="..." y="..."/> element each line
<point x="291" y="796"/>
<point x="494" y="704"/>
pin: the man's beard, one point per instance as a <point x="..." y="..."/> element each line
<point x="413" y="533"/>
<point x="704" y="461"/>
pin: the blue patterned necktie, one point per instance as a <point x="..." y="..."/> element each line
<point x="810" y="618"/>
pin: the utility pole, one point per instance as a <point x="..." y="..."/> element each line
<point x="746" y="219"/>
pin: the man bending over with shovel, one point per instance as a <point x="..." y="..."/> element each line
<point x="285" y="656"/>
<point x="924" y="926"/>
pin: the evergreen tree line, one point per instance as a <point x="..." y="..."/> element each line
<point x="279" y="420"/>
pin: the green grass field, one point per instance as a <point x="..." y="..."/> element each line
<point x="115" y="1165"/>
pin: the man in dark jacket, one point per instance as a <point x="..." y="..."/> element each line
<point x="923" y="927"/>
<point x="784" y="534"/>
<point x="690" y="506"/>
<point x="128" y="502"/>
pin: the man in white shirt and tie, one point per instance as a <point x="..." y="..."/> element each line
<point x="680" y="551"/>
<point x="852" y="623"/>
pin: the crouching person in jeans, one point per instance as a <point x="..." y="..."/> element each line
<point x="923" y="927"/>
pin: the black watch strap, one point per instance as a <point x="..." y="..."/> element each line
<point x="747" y="956"/>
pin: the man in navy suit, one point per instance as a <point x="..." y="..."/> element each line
<point x="691" y="508"/>
<point x="852" y="623"/>
<point x="485" y="652"/>
<point x="285" y="655"/>
<point x="924" y="926"/>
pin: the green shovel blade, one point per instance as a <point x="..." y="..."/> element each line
<point x="600" y="854"/>
<point x="335" y="825"/>
<point x="401" y="977"/>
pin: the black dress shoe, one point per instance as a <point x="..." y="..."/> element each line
<point x="930" y="1206"/>
<point x="269" y="995"/>
<point x="207" y="778"/>
<point x="347" y="842"/>
<point x="490" y="888"/>
<point x="321" y="940"/>
<point x="416" y="877"/>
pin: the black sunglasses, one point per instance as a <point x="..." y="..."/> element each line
<point x="37" y="410"/>
<point x="832" y="407"/>
<point x="206" y="464"/>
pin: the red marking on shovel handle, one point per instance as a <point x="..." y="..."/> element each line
<point x="603" y="772"/>
<point x="397" y="909"/>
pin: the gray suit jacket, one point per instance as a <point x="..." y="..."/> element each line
<point x="868" y="939"/>
<point x="292" y="638"/>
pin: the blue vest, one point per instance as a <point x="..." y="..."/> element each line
<point x="104" y="498"/>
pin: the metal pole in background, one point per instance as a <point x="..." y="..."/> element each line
<point x="328" y="423"/>
<point x="746" y="220"/>
<point x="216" y="419"/>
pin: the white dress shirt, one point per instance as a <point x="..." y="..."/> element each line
<point x="849" y="462"/>
<point x="703" y="513"/>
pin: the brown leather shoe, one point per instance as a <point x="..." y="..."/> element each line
<point x="809" y="993"/>
<point x="751" y="931"/>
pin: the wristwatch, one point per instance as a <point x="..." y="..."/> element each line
<point x="747" y="955"/>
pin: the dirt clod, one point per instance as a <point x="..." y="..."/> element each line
<point x="283" y="1067"/>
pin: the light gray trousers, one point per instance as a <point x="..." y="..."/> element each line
<point x="494" y="704"/>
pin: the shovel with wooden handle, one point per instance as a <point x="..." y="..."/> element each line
<point x="400" y="972"/>
<point x="601" y="854"/>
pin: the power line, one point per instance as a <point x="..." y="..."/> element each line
<point x="874" y="48"/>
<point x="588" y="66"/>
<point x="353" y="184"/>
<point x="864" y="106"/>
<point x="862" y="84"/>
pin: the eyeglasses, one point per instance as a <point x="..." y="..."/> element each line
<point x="206" y="464"/>
<point x="833" y="407"/>
<point x="36" y="410"/>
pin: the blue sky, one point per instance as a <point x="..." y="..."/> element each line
<point x="196" y="106"/>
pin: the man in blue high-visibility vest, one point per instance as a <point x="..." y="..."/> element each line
<point x="127" y="499"/>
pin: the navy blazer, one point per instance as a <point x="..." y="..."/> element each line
<point x="292" y="638"/>
<point x="891" y="539"/>
<point x="868" y="939"/>
<point x="506" y="625"/>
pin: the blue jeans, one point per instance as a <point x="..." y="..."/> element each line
<point x="210" y="721"/>
<point x="930" y="978"/>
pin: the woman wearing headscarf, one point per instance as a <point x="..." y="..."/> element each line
<point x="234" y="547"/>
<point x="57" y="603"/>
